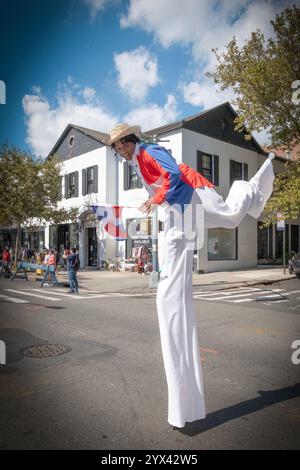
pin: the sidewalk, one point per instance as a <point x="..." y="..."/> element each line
<point x="106" y="281"/>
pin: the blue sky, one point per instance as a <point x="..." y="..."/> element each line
<point x="99" y="62"/>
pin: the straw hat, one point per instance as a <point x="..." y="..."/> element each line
<point x="122" y="130"/>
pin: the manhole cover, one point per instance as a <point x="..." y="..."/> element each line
<point x="45" y="350"/>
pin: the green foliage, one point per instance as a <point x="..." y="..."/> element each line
<point x="286" y="195"/>
<point x="29" y="189"/>
<point x="261" y="74"/>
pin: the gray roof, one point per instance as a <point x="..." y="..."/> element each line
<point x="96" y="135"/>
<point x="183" y="123"/>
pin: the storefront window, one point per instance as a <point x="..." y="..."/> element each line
<point x="222" y="244"/>
<point x="33" y="239"/>
<point x="264" y="241"/>
<point x="53" y="236"/>
<point x="139" y="243"/>
<point x="74" y="235"/>
<point x="63" y="235"/>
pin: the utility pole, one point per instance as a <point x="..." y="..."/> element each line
<point x="283" y="253"/>
<point x="281" y="227"/>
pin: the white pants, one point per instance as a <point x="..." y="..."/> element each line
<point x="176" y="314"/>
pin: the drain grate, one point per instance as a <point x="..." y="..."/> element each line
<point x="45" y="350"/>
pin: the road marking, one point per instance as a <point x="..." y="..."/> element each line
<point x="213" y="351"/>
<point x="21" y="292"/>
<point x="14" y="299"/>
<point x="241" y="295"/>
<point x="230" y="292"/>
<point x="62" y="294"/>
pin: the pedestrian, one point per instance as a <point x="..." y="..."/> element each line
<point x="65" y="256"/>
<point x="50" y="261"/>
<point x="175" y="186"/>
<point x="6" y="258"/>
<point x="73" y="264"/>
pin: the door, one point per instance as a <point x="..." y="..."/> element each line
<point x="92" y="246"/>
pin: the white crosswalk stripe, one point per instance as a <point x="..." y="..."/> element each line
<point x="234" y="295"/>
<point x="237" y="293"/>
<point x="21" y="292"/>
<point x="62" y="294"/>
<point x="15" y="300"/>
<point x="251" y="294"/>
<point x="228" y="293"/>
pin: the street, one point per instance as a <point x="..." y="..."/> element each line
<point x="108" y="390"/>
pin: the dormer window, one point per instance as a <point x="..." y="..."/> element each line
<point x="71" y="141"/>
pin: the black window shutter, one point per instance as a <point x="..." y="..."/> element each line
<point x="66" y="186"/>
<point x="199" y="162"/>
<point x="95" y="178"/>
<point x="245" y="171"/>
<point x="76" y="184"/>
<point x="126" y="176"/>
<point x="231" y="170"/>
<point x="216" y="170"/>
<point x="83" y="174"/>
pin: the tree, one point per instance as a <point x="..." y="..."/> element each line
<point x="265" y="77"/>
<point x="286" y="196"/>
<point x="262" y="75"/>
<point x="30" y="190"/>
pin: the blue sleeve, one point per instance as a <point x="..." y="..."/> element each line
<point x="164" y="158"/>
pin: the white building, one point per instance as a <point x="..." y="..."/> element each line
<point x="207" y="142"/>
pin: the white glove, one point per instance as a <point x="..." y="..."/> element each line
<point x="271" y="155"/>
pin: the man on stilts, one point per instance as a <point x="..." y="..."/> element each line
<point x="178" y="187"/>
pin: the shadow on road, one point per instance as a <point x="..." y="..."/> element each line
<point x="266" y="398"/>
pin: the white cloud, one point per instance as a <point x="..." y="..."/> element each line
<point x="89" y="93"/>
<point x="205" y="94"/>
<point x="202" y="24"/>
<point x="95" y="6"/>
<point x="45" y="123"/>
<point x="263" y="137"/>
<point x="137" y="72"/>
<point x="152" y="116"/>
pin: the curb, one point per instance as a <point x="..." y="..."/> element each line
<point x="229" y="285"/>
<point x="252" y="283"/>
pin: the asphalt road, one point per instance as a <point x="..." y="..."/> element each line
<point x="109" y="391"/>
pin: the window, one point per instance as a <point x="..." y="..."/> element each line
<point x="264" y="241"/>
<point x="90" y="180"/>
<point x="140" y="236"/>
<point x="131" y="179"/>
<point x="238" y="171"/>
<point x="71" y="185"/>
<point x="222" y="244"/>
<point x="208" y="166"/>
<point x="71" y="141"/>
